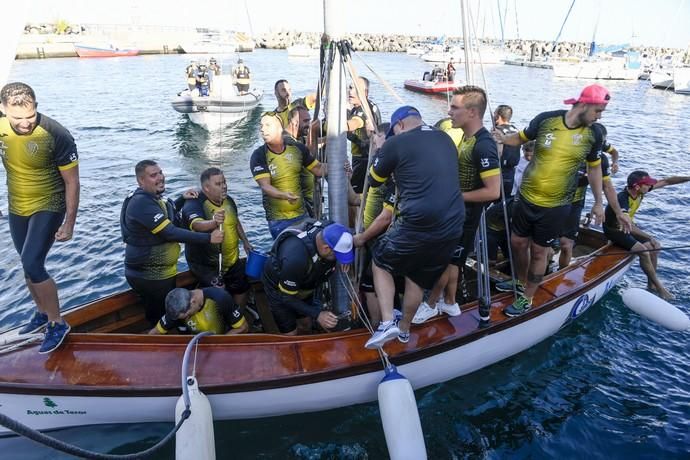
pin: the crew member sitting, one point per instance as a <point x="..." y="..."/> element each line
<point x="200" y="310"/>
<point x="242" y="77"/>
<point x="203" y="80"/>
<point x="302" y="259"/>
<point x="639" y="241"/>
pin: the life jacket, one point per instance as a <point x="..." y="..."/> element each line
<point x="143" y="238"/>
<point x="306" y="233"/>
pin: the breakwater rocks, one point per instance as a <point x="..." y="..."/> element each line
<point x="400" y="43"/>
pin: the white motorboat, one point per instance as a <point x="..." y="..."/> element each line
<point x="598" y="69"/>
<point x="681" y="80"/>
<point x="662" y="79"/>
<point x="224" y="105"/>
<point x="302" y="50"/>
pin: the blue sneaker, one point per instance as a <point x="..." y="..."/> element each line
<point x="397" y="315"/>
<point x="35" y="324"/>
<point x="55" y="334"/>
<point x="519" y="307"/>
<point x="386" y="331"/>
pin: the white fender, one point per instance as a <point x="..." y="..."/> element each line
<point x="646" y="304"/>
<point x="195" y="439"/>
<point x="400" y="418"/>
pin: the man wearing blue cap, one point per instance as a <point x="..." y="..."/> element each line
<point x="420" y="243"/>
<point x="301" y="259"/>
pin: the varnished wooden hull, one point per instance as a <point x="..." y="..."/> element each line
<point x="112" y="377"/>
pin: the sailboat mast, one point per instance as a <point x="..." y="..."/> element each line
<point x="336" y="136"/>
<point x="467" y="45"/>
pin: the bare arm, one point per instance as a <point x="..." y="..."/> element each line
<point x="320" y="170"/>
<point x="673" y="180"/>
<point x="595" y="180"/>
<point x="377" y="227"/>
<point x="71" y="178"/>
<point x="507" y="139"/>
<point x="623" y="218"/>
<point x="489" y="192"/>
<point x="270" y="190"/>
<point x="614" y="159"/>
<point x="243" y="236"/>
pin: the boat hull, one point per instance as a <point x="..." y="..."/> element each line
<point x="681" y="80"/>
<point x="127" y="378"/>
<point x="84" y="51"/>
<point x="594" y="71"/>
<point x="217" y="110"/>
<point x="431" y="87"/>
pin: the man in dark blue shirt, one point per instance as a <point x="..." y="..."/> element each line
<point x="420" y="243"/>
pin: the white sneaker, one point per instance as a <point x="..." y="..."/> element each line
<point x="424" y="313"/>
<point x="450" y="310"/>
<point x="386" y="331"/>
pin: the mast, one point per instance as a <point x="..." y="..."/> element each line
<point x="336" y="137"/>
<point x="467" y="45"/>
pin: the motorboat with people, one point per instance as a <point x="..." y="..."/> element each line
<point x="436" y="81"/>
<point x="110" y="371"/>
<point x="223" y="105"/>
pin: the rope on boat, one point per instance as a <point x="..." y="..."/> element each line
<point x="352" y="292"/>
<point x="71" y="449"/>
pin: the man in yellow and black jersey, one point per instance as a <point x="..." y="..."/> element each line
<point x="564" y="140"/>
<point x="151" y="231"/>
<point x="479" y="174"/>
<point x="217" y="265"/>
<point x="41" y="161"/>
<point x="277" y="167"/>
<point x="379" y="209"/>
<point x="571" y="227"/>
<point x="283" y="94"/>
<point x="358" y="129"/>
<point x="446" y="125"/>
<point x="200" y="310"/>
<point x="639" y="183"/>
<point x="297" y="130"/>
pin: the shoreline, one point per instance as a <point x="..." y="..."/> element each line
<point x="42" y="42"/>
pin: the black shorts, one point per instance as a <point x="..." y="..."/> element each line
<point x="619" y="238"/>
<point x="359" y="173"/>
<point x="234" y="279"/>
<point x="153" y="293"/>
<point x="366" y="284"/>
<point x="421" y="261"/>
<point x="243" y="87"/>
<point x="33" y="236"/>
<point x="541" y="224"/>
<point x="469" y="230"/>
<point x="285" y="317"/>
<point x="571" y="227"/>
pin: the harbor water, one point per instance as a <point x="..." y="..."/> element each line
<point x="611" y="385"/>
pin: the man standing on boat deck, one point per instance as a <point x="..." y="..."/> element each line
<point x="277" y="167"/>
<point x="242" y="77"/>
<point x="358" y="132"/>
<point x="283" y="94"/>
<point x="637" y="240"/>
<point x="510" y="154"/>
<point x="297" y="130"/>
<point x="217" y="265"/>
<point x="300" y="261"/>
<point x="150" y="229"/>
<point x="480" y="184"/>
<point x="420" y="243"/>
<point x="42" y="165"/>
<point x="565" y="139"/>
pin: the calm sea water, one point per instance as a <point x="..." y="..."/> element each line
<point x="610" y="386"/>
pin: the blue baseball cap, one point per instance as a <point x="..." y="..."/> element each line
<point x="400" y="114"/>
<point x="339" y="239"/>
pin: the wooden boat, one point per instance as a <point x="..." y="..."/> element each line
<point x="85" y="51"/>
<point x="109" y="371"/>
<point x="436" y="86"/>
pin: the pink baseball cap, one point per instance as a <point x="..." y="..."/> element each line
<point x="592" y="94"/>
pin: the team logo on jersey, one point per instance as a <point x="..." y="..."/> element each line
<point x="32" y="148"/>
<point x="484" y="162"/>
<point x="158" y="217"/>
<point x="73" y="157"/>
<point x="273" y="169"/>
<point x="577" y="139"/>
<point x="548" y="139"/>
<point x="288" y="156"/>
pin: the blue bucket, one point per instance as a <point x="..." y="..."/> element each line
<point x="255" y="264"/>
